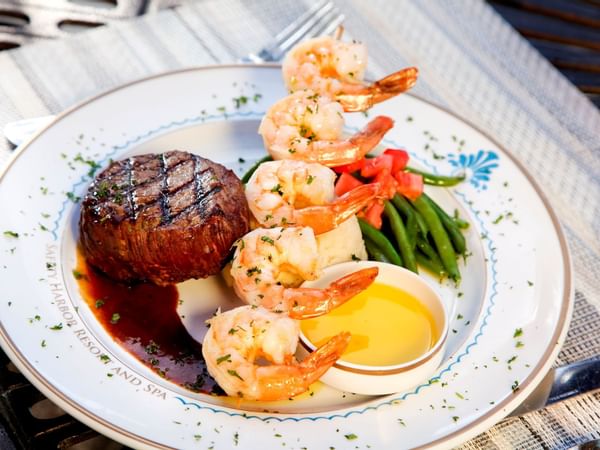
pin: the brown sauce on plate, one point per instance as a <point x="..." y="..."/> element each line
<point x="143" y="319"/>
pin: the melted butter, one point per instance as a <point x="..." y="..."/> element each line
<point x="388" y="327"/>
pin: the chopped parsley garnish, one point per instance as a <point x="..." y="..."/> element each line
<point x="78" y="275"/>
<point x="224" y="358"/>
<point x="99" y="303"/>
<point x="57" y="327"/>
<point x="103" y="190"/>
<point x="115" y="318"/>
<point x="277" y="188"/>
<point x="252" y="271"/>
<point x="354" y="257"/>
<point x="257" y="97"/>
<point x="267" y="239"/>
<point x="11" y="234"/>
<point x="351" y="436"/>
<point x="240" y="101"/>
<point x="310" y="179"/>
<point x="43" y="344"/>
<point x="74" y="198"/>
<point x="233" y="373"/>
<point x="518" y="332"/>
<point x="152" y="348"/>
<point x="515" y="386"/>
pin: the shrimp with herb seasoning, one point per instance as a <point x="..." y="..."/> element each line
<point x="269" y="265"/>
<point x="239" y="338"/>
<point x="288" y="193"/>
<point x="308" y="126"/>
<point x="334" y="68"/>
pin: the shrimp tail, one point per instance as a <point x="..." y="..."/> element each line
<point x="333" y="154"/>
<point x="279" y="382"/>
<point x="361" y="98"/>
<point x="324" y="218"/>
<point x="313" y="302"/>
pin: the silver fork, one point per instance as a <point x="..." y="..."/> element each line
<point x="320" y="19"/>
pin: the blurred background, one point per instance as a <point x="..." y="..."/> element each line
<point x="566" y="32"/>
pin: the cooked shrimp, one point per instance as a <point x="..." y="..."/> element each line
<point x="237" y="338"/>
<point x="336" y="69"/>
<point x="270" y="263"/>
<point x="309" y="126"/>
<point x="286" y="192"/>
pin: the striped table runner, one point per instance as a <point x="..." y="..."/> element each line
<point x="471" y="62"/>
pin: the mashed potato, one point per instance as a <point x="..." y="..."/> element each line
<point x="341" y="244"/>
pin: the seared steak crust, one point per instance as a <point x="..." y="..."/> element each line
<point x="162" y="218"/>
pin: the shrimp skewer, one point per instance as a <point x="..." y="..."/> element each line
<point x="336" y="69"/>
<point x="287" y="192"/>
<point x="309" y="127"/>
<point x="270" y="264"/>
<point x="237" y="338"/>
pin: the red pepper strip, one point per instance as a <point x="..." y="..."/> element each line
<point x="400" y="158"/>
<point x="350" y="168"/>
<point x="409" y="184"/>
<point x="346" y="183"/>
<point x="373" y="214"/>
<point x="373" y="166"/>
<point x="387" y="183"/>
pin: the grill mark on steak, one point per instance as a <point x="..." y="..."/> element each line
<point x="163" y="199"/>
<point x="163" y="218"/>
<point x="128" y="190"/>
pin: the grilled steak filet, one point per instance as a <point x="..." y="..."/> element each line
<point x="162" y="218"/>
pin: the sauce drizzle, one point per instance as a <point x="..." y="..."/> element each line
<point x="143" y="319"/>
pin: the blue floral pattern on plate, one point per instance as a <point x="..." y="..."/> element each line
<point x="479" y="164"/>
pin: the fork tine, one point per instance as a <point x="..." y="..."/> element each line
<point x="297" y="24"/>
<point x="326" y="14"/>
<point x="332" y="26"/>
<point x="320" y="17"/>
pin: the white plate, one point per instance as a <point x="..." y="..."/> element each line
<point x="517" y="277"/>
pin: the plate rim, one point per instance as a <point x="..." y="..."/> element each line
<point x="494" y="415"/>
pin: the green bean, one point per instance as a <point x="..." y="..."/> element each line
<point x="458" y="240"/>
<point x="381" y="241"/>
<point x="374" y="251"/>
<point x="460" y="223"/>
<point x="437" y="180"/>
<point x="405" y="208"/>
<point x="408" y="256"/>
<point x="252" y="169"/>
<point x="425" y="248"/>
<point x="441" y="239"/>
<point x="411" y="230"/>
<point x="430" y="265"/>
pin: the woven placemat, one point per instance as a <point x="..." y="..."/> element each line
<point x="471" y="62"/>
